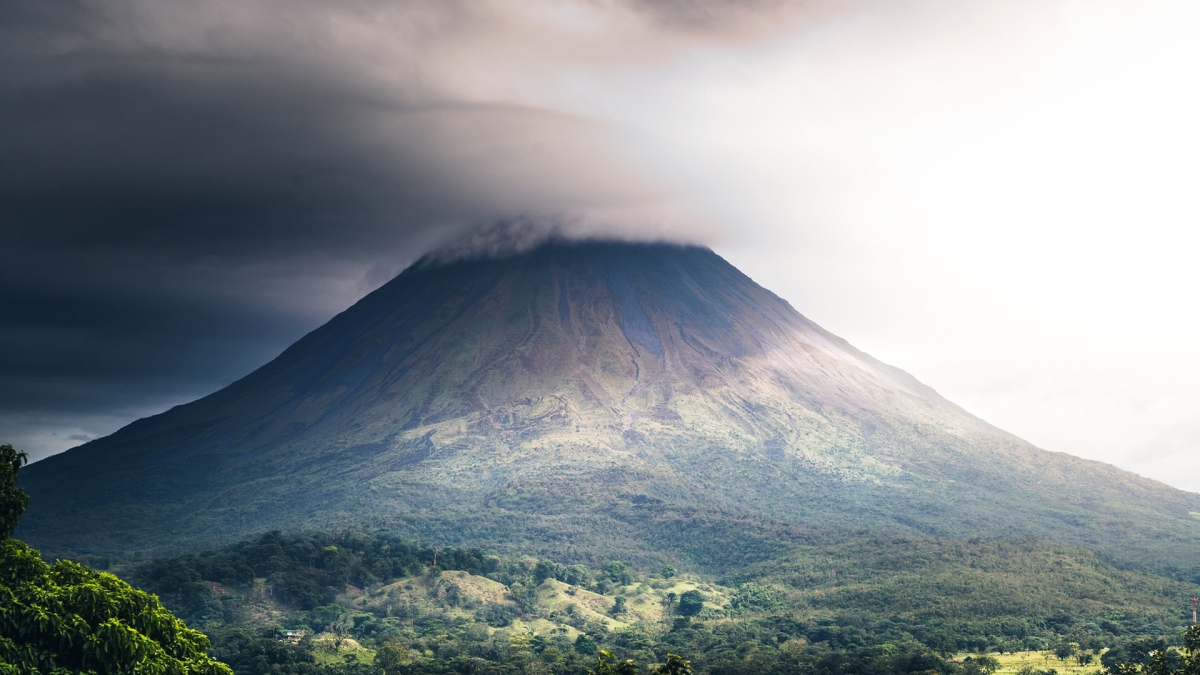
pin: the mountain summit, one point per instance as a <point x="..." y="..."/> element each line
<point x="640" y="396"/>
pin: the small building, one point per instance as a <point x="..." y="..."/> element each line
<point x="290" y="635"/>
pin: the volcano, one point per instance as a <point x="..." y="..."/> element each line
<point x="644" y="398"/>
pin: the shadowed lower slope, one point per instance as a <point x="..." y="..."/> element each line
<point x="562" y="397"/>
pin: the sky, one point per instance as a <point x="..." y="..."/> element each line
<point x="997" y="196"/>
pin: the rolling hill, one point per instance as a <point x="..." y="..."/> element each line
<point x="839" y="597"/>
<point x="587" y="400"/>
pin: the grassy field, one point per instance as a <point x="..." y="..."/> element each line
<point x="333" y="649"/>
<point x="562" y="603"/>
<point x="1012" y="663"/>
<point x="645" y="599"/>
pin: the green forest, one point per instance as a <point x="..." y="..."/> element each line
<point x="348" y="602"/>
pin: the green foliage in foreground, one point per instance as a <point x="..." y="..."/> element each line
<point x="13" y="500"/>
<point x="64" y="618"/>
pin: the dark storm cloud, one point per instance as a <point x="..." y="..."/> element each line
<point x="185" y="188"/>
<point x="250" y="138"/>
<point x="183" y="194"/>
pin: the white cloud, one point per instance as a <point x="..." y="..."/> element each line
<point x="997" y="196"/>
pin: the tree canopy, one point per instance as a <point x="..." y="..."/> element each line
<point x="690" y="603"/>
<point x="13" y="500"/>
<point x="1164" y="662"/>
<point x="64" y="618"/>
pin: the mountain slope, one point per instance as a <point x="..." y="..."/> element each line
<point x="568" y="396"/>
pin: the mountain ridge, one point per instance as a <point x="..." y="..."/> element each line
<point x="545" y="384"/>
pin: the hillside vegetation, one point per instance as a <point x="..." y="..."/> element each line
<point x="980" y="591"/>
<point x="871" y="604"/>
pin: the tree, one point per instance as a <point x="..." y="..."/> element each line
<point x="1190" y="663"/>
<point x="585" y="645"/>
<point x="987" y="664"/>
<point x="1065" y="650"/>
<point x="675" y="665"/>
<point x="690" y="603"/>
<point x="618" y="573"/>
<point x="496" y="615"/>
<point x="576" y="575"/>
<point x="13" y="500"/>
<point x="389" y="656"/>
<point x="1135" y="652"/>
<point x="668" y="603"/>
<point x="942" y="642"/>
<point x="547" y="569"/>
<point x="1160" y="662"/>
<point x="980" y="665"/>
<point x="607" y="664"/>
<point x="618" y="607"/>
<point x="65" y="618"/>
<point x="668" y="572"/>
